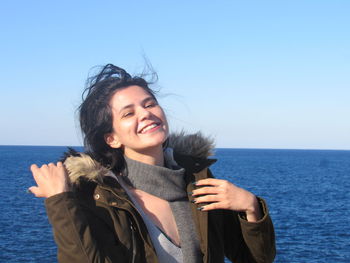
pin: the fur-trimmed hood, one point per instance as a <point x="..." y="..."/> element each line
<point x="82" y="165"/>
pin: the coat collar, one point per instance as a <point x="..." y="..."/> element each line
<point x="191" y="151"/>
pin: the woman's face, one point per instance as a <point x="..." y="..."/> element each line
<point x="139" y="123"/>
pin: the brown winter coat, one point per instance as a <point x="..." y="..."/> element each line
<point x="97" y="222"/>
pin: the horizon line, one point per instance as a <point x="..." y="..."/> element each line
<point x="236" y="148"/>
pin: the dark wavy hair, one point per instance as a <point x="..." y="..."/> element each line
<point x="95" y="114"/>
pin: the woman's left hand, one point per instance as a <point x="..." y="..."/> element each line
<point x="222" y="194"/>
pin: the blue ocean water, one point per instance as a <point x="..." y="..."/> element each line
<point x="307" y="192"/>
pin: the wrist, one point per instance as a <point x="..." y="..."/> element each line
<point x="57" y="191"/>
<point x="253" y="212"/>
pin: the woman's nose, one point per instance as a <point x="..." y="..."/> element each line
<point x="144" y="113"/>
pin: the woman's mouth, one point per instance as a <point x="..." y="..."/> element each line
<point x="150" y="128"/>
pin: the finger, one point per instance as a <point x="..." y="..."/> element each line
<point x="209" y="181"/>
<point x="61" y="166"/>
<point x="53" y="168"/>
<point x="205" y="190"/>
<point x="33" y="168"/>
<point x="35" y="171"/>
<point x="212" y="206"/>
<point x="35" y="191"/>
<point x="61" y="169"/>
<point x="207" y="199"/>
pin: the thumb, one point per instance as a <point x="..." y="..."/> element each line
<point x="36" y="191"/>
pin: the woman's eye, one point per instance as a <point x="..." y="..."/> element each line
<point x="150" y="105"/>
<point x="127" y="114"/>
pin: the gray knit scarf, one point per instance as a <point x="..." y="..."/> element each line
<point x="168" y="184"/>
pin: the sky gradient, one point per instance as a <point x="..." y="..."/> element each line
<point x="252" y="74"/>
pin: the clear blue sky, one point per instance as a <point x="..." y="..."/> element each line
<point x="253" y="74"/>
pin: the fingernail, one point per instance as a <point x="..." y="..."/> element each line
<point x="190" y="193"/>
<point x="28" y="191"/>
<point x="200" y="208"/>
<point x="193" y="201"/>
<point x="194" y="183"/>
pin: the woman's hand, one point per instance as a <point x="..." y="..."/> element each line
<point x="51" y="180"/>
<point x="221" y="194"/>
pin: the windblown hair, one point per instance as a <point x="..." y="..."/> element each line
<point x="95" y="113"/>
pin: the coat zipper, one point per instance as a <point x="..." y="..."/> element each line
<point x="133" y="240"/>
<point x="132" y="219"/>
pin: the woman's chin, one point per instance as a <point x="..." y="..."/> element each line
<point x="155" y="138"/>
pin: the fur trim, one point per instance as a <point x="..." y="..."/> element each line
<point x="82" y="165"/>
<point x="192" y="144"/>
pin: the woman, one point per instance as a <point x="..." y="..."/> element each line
<point x="140" y="195"/>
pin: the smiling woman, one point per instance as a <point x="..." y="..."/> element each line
<point x="139" y="194"/>
<point x="139" y="124"/>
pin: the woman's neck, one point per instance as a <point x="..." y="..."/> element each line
<point x="148" y="156"/>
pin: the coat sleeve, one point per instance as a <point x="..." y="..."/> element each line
<point x="248" y="242"/>
<point x="254" y="241"/>
<point x="74" y="235"/>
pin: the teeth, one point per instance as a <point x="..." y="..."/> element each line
<point x="148" y="128"/>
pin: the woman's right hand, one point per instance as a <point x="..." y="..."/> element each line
<point x="51" y="179"/>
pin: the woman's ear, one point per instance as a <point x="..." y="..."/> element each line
<point x="112" y="140"/>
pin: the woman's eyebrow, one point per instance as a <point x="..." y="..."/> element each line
<point x="150" y="98"/>
<point x="126" y="107"/>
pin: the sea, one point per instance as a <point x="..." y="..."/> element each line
<point x="307" y="192"/>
